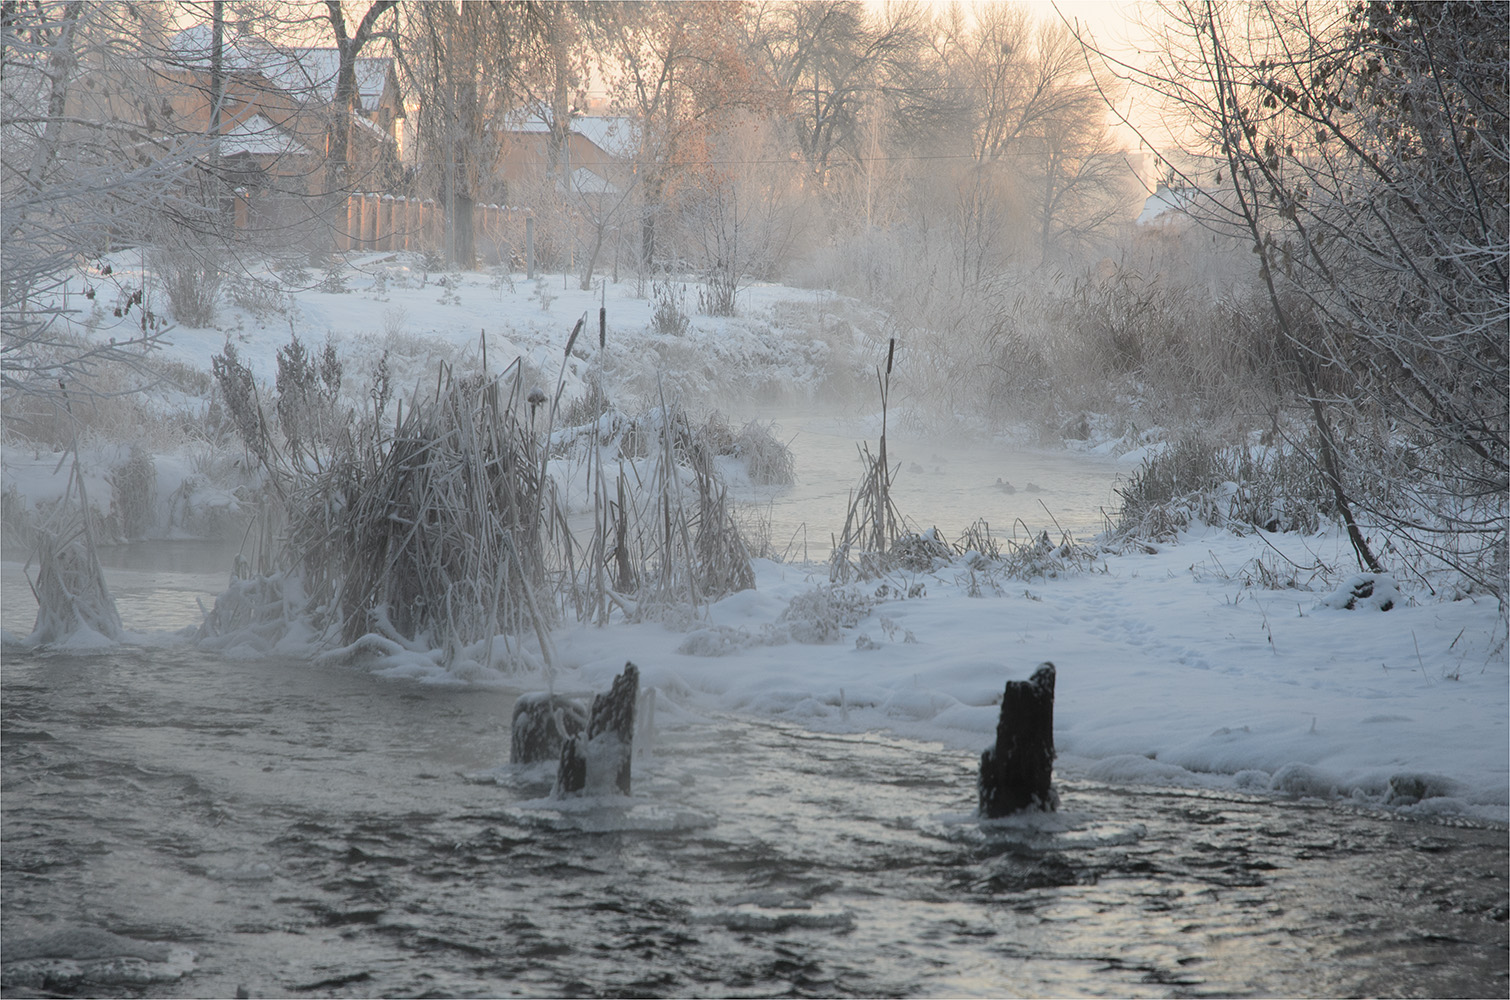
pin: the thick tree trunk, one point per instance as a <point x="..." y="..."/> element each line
<point x="597" y="762"/>
<point x="1017" y="773"/>
<point x="541" y="723"/>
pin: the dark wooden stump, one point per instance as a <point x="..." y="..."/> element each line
<point x="592" y="760"/>
<point x="1016" y="773"/>
<point x="542" y="722"/>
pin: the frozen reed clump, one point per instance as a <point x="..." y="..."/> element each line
<point x="72" y="596"/>
<point x="440" y="539"/>
<point x="921" y="551"/>
<point x="433" y="533"/>
<point x="255" y="613"/>
<point x="133" y="492"/>
<point x="872" y="523"/>
<point x="74" y="603"/>
<point x="1040" y="557"/>
<point x="664" y="536"/>
<point x="767" y="459"/>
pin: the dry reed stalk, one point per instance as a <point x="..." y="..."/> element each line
<point x="872" y="523"/>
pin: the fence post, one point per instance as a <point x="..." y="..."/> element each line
<point x="345" y="239"/>
<point x="529" y="246"/>
<point x="434" y="231"/>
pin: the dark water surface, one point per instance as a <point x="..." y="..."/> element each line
<point x="312" y="830"/>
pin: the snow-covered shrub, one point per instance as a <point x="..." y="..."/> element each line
<point x="1196" y="479"/>
<point x="133" y="494"/>
<point x="192" y="280"/>
<point x="670" y="316"/>
<point x="333" y="278"/>
<point x="210" y="507"/>
<point x="258" y="296"/>
<point x="1041" y="558"/>
<point x="395" y="321"/>
<point x="821" y="615"/>
<point x="767" y="459"/>
<point x="920" y="551"/>
<point x="1364" y="590"/>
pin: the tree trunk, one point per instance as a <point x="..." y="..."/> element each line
<point x="541" y="723"/>
<point x="464" y="235"/>
<point x="598" y="761"/>
<point x="1017" y="773"/>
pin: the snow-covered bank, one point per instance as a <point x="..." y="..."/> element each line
<point x="1172" y="669"/>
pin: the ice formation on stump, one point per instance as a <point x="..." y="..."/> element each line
<point x="1016" y="773"/>
<point x="598" y="761"/>
<point x="541" y="723"/>
<point x="71" y="591"/>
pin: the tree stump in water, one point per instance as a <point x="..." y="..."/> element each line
<point x="1016" y="773"/>
<point x="542" y="722"/>
<point x="598" y="761"/>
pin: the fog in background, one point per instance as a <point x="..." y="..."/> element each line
<point x="1264" y="225"/>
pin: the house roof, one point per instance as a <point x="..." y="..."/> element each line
<point x="260" y="137"/>
<point x="614" y="135"/>
<point x="1166" y="202"/>
<point x="306" y="71"/>
<point x="584" y="181"/>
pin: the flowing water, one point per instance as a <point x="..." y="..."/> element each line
<point x="317" y="831"/>
<point x="314" y="830"/>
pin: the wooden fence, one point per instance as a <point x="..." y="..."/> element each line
<point x="381" y="222"/>
<point x="393" y="222"/>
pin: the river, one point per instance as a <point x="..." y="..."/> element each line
<point x="313" y="830"/>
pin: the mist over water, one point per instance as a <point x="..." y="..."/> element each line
<point x="944" y="482"/>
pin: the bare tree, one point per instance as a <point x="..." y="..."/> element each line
<point x="349" y="45"/>
<point x="1035" y="114"/>
<point x="84" y="172"/>
<point x="678" y="70"/>
<point x="462" y="62"/>
<point x="1363" y="153"/>
<point x="832" y="61"/>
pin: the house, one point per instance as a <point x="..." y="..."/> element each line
<point x="1167" y="204"/>
<point x="278" y="111"/>
<point x="598" y="158"/>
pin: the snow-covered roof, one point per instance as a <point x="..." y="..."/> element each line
<point x="371" y="128"/>
<point x="305" y="70"/>
<point x="615" y="135"/>
<point x="584" y="181"/>
<point x="260" y="137"/>
<point x="1166" y="201"/>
